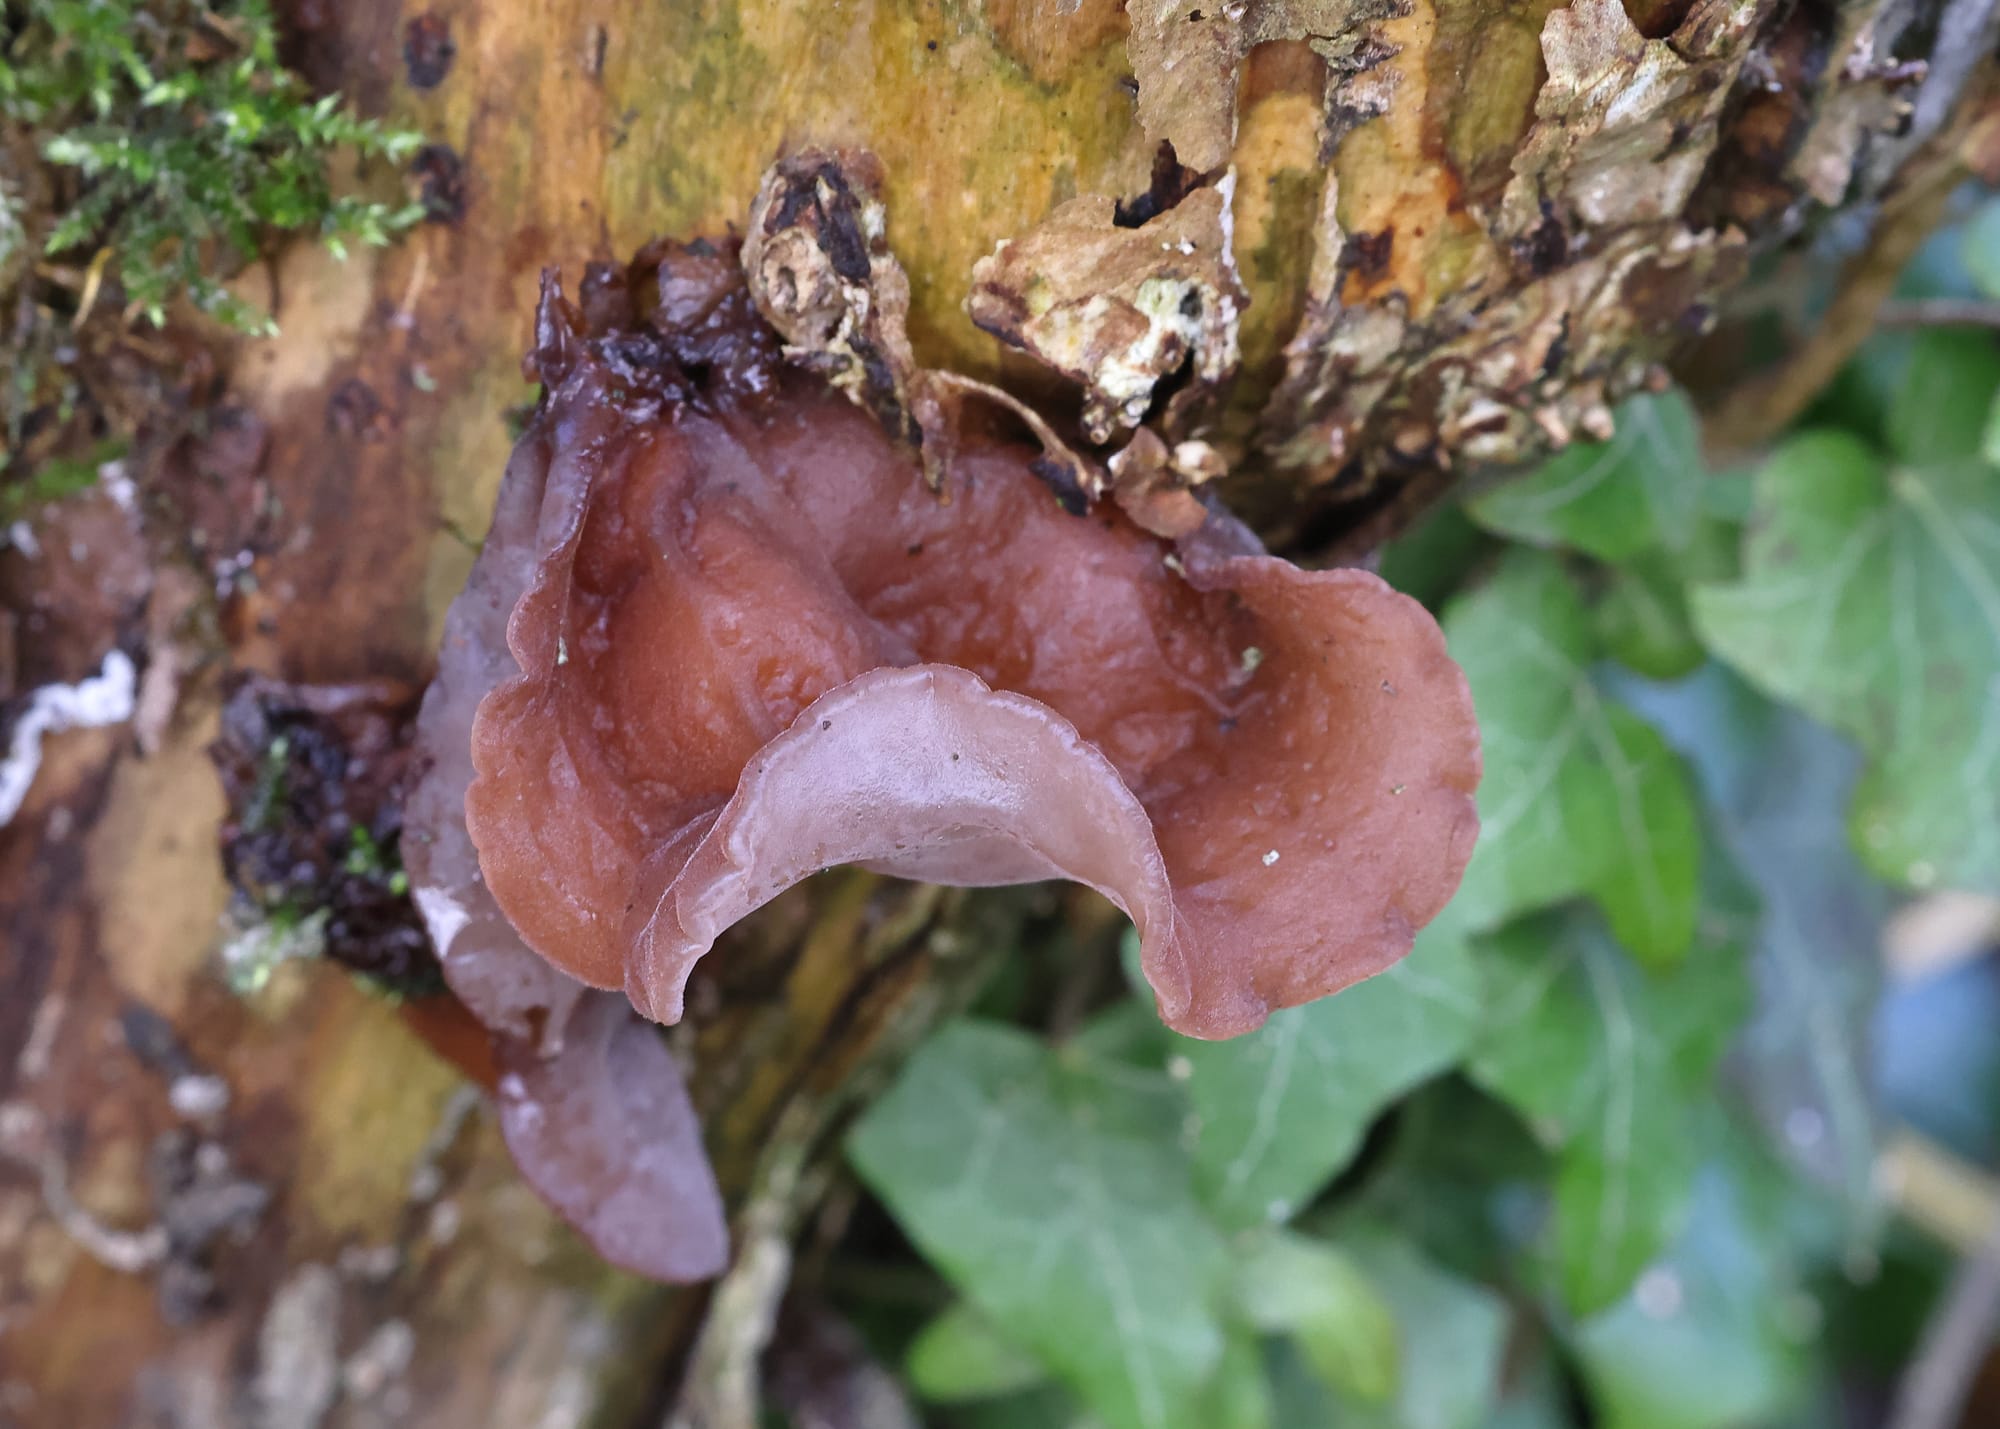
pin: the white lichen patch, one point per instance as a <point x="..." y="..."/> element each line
<point x="381" y="1360"/>
<point x="105" y="698"/>
<point x="298" y="1353"/>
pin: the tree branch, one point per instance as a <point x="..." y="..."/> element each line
<point x="1954" y="1344"/>
<point x="1940" y="312"/>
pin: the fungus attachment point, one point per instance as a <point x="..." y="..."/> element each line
<point x="743" y="641"/>
<point x="821" y="274"/>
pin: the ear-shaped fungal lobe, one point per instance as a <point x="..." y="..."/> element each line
<point x="922" y="771"/>
<point x="604" y="1131"/>
<point x="592" y="1105"/>
<point x="752" y="644"/>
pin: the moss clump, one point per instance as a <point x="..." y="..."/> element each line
<point x="188" y="142"/>
<point x="53" y="480"/>
<point x="148" y="150"/>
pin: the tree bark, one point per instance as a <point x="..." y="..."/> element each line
<point x="281" y="1209"/>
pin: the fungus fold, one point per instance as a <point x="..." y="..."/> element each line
<point x="723" y="635"/>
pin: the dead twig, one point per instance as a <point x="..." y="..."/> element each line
<point x="1915" y="204"/>
<point x="1759" y="410"/>
<point x="1940" y="1193"/>
<point x="1940" y="312"/>
<point x="1961" y="1329"/>
<point x="722" y="1388"/>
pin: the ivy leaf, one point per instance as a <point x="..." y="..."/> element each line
<point x="1130" y="1030"/>
<point x="1606" y="1063"/>
<point x="1429" y="560"/>
<point x="1048" y="1187"/>
<point x="1239" y="1393"/>
<point x="1282" y="1109"/>
<point x="1642" y="620"/>
<point x="1581" y="796"/>
<point x="1980" y="248"/>
<point x="1295" y="1285"/>
<point x="1453" y="1333"/>
<point x="1870" y="598"/>
<point x="1617" y="1208"/>
<point x="1943" y="393"/>
<point x="1776" y="783"/>
<point x="1610" y="499"/>
<point x="1642" y="616"/>
<point x="960" y="1356"/>
<point x="1048" y="1406"/>
<point x="1717" y="1333"/>
<point x="1464" y="1178"/>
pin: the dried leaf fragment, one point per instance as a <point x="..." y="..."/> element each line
<point x="1118" y="310"/>
<point x="1151" y="483"/>
<point x="821" y="273"/>
<point x="818" y="260"/>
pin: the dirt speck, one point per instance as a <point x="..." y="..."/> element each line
<point x="439" y="176"/>
<point x="428" y="50"/>
<point x="354" y="410"/>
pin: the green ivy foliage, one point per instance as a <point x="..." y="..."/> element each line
<point x="1601" y="1151"/>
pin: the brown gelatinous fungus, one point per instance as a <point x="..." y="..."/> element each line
<point x="750" y="645"/>
<point x="721" y="636"/>
<point x="1119" y="310"/>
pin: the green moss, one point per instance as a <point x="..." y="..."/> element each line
<point x="368" y="859"/>
<point x="180" y="144"/>
<point x="53" y="480"/>
<point x="269" y="797"/>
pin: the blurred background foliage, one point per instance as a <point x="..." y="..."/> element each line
<point x="1680" y="1116"/>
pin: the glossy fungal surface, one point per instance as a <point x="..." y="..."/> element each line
<point x="722" y="635"/>
<point x="753" y="644"/>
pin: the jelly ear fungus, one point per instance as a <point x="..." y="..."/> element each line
<point x="724" y="635"/>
